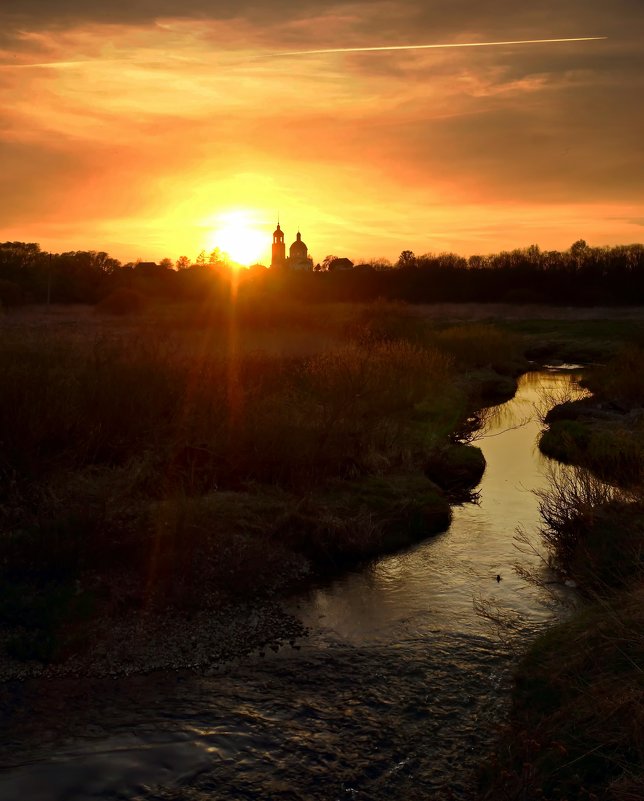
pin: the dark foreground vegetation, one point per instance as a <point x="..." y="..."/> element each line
<point x="156" y="465"/>
<point x="166" y="467"/>
<point x="577" y="727"/>
<point x="582" y="275"/>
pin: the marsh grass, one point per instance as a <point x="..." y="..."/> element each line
<point x="578" y="711"/>
<point x="593" y="532"/>
<point x="247" y="417"/>
<point x="578" y="705"/>
<point x="577" y="723"/>
<point x="387" y="321"/>
<point x="621" y="380"/>
<point x="480" y="345"/>
<point x="604" y="431"/>
<point x="146" y="465"/>
<point x="613" y="452"/>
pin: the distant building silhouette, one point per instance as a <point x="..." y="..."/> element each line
<point x="298" y="258"/>
<point x="340" y="264"/>
<point x="279" y="249"/>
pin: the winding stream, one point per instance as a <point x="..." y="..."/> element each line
<point x="395" y="693"/>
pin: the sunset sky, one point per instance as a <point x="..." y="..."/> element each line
<point x="144" y="127"/>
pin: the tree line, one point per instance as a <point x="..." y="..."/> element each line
<point x="581" y="275"/>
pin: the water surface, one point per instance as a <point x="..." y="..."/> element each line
<point x="395" y="693"/>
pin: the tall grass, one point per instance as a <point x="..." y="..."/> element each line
<point x="578" y="704"/>
<point x="165" y="461"/>
<point x="387" y="321"/>
<point x="96" y="433"/>
<point x="253" y="416"/>
<point x="480" y="345"/>
<point x="622" y="379"/>
<point x="578" y="711"/>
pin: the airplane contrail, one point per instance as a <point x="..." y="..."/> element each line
<point x="63" y="65"/>
<point x="434" y="46"/>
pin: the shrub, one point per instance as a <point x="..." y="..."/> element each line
<point x="456" y="468"/>
<point x="593" y="532"/>
<point x="122" y="302"/>
<point x="10" y="294"/>
<point x="566" y="440"/>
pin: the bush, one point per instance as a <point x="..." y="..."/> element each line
<point x="122" y="302"/>
<point x="10" y="294"/>
<point x="456" y="468"/>
<point x="566" y="440"/>
<point x="594" y="533"/>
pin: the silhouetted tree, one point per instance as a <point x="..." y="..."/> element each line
<point x="406" y="259"/>
<point x="216" y="257"/>
<point x="579" y="275"/>
<point x="380" y="264"/>
<point x="327" y="260"/>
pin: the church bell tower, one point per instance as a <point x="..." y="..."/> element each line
<point x="279" y="249"/>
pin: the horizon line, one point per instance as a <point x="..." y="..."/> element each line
<point x="382" y="48"/>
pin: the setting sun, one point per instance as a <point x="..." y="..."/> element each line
<point x="237" y="234"/>
<point x="321" y="399"/>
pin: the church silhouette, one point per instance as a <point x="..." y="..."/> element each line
<point x="298" y="258"/>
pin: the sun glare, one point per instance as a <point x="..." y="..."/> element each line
<point x="237" y="235"/>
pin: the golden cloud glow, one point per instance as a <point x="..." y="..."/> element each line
<point x="166" y="137"/>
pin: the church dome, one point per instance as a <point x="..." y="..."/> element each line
<point x="278" y="231"/>
<point x="298" y="246"/>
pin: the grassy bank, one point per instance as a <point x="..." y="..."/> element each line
<point x="172" y="467"/>
<point x="578" y="711"/>
<point x="595" y="339"/>
<point x="577" y="723"/>
<point x="604" y="433"/>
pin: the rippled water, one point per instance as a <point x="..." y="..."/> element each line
<point x="395" y="693"/>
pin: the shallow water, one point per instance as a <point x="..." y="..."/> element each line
<point x="395" y="693"/>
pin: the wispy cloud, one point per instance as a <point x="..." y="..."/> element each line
<point x="131" y="129"/>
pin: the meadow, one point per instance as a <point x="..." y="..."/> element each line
<point x="163" y="461"/>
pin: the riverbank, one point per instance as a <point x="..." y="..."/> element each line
<point x="153" y="477"/>
<point x="393" y="692"/>
<point x="577" y="719"/>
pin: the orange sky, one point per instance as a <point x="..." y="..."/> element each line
<point x="140" y="127"/>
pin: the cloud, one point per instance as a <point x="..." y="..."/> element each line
<point x="152" y="115"/>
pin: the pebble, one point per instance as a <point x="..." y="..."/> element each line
<point x="170" y="641"/>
